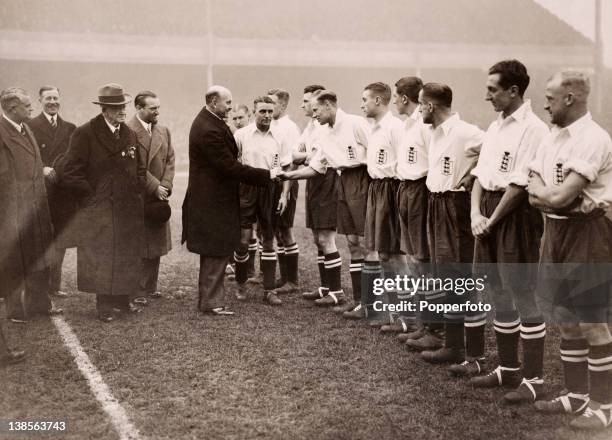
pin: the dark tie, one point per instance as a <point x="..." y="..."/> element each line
<point x="53" y="122"/>
<point x="23" y="131"/>
<point x="116" y="133"/>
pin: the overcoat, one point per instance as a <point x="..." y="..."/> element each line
<point x="25" y="222"/>
<point x="211" y="209"/>
<point x="108" y="175"/>
<point x="157" y="148"/>
<point x="53" y="144"/>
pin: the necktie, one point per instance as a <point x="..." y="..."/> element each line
<point x="53" y="122"/>
<point x="116" y="133"/>
<point x="23" y="131"/>
<point x="149" y="128"/>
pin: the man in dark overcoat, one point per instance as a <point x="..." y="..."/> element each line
<point x="25" y="225"/>
<point x="53" y="136"/>
<point x="157" y="148"/>
<point x="211" y="221"/>
<point x="105" y="169"/>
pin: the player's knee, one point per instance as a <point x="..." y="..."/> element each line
<point x="597" y="333"/>
<point x="571" y="332"/>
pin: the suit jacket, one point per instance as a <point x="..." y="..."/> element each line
<point x="157" y="148"/>
<point x="25" y="223"/>
<point x="108" y="175"/>
<point x="211" y="209"/>
<point x="53" y="143"/>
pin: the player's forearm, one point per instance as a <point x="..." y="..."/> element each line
<point x="475" y="199"/>
<point x="512" y="198"/>
<point x="302" y="173"/>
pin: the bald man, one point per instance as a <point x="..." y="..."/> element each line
<point x="211" y="220"/>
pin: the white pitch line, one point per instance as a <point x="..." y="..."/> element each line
<point x="110" y="405"/>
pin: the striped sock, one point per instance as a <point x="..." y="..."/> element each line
<point x="292" y="253"/>
<point x="333" y="266"/>
<point x="282" y="263"/>
<point x="242" y="264"/>
<point x="252" y="255"/>
<point x="454" y="331"/>
<point x="600" y="374"/>
<point x="507" y="336"/>
<point x="574" y="354"/>
<point x="432" y="297"/>
<point x="260" y="249"/>
<point x="355" y="270"/>
<point x="268" y="266"/>
<point x="532" y="338"/>
<point x="321" y="266"/>
<point x="475" y="335"/>
<point x="372" y="270"/>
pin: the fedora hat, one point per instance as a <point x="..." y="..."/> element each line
<point x="112" y="94"/>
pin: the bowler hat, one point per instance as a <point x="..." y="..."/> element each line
<point x="112" y="94"/>
<point x="157" y="212"/>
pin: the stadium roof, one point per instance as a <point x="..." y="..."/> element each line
<point x="516" y="22"/>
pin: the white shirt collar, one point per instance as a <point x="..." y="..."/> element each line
<point x="416" y="114"/>
<point x="111" y="127"/>
<point x="448" y="124"/>
<point x="519" y="114"/>
<point x="14" y="124"/>
<point x="147" y="126"/>
<point x="576" y="127"/>
<point x="384" y="120"/>
<point x="49" y="117"/>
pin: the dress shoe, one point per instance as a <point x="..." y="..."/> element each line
<point x="12" y="357"/>
<point x="346" y="307"/>
<point x="156" y="294"/>
<point x="105" y="316"/>
<point x="315" y="294"/>
<point x="416" y="334"/>
<point x="467" y="368"/>
<point x="141" y="301"/>
<point x="331" y="299"/>
<point x="60" y="294"/>
<point x="257" y="279"/>
<point x="443" y="355"/>
<point x="398" y="326"/>
<point x="220" y="311"/>
<point x="357" y="313"/>
<point x="288" y="287"/>
<point x="527" y="392"/>
<point x="429" y="341"/>
<point x="271" y="298"/>
<point x="500" y="377"/>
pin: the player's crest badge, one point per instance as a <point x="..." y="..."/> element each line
<point x="381" y="157"/>
<point x="351" y="154"/>
<point x="558" y="176"/>
<point x="448" y="166"/>
<point x="507" y="163"/>
<point x="411" y="155"/>
<point x="275" y="161"/>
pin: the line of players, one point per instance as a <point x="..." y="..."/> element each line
<point x="432" y="194"/>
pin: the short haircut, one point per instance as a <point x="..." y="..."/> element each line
<point x="440" y="93"/>
<point x="44" y="89"/>
<point x="380" y="89"/>
<point x="265" y="99"/>
<point x="327" y="96"/>
<point x="140" y="99"/>
<point x="11" y="97"/>
<point x="575" y="81"/>
<point x="281" y="94"/>
<point x="409" y="86"/>
<point x="313" y="88"/>
<point x="511" y="73"/>
<point x="242" y="107"/>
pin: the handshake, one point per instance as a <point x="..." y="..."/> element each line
<point x="278" y="174"/>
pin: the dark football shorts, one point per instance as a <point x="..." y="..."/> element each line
<point x="576" y="269"/>
<point x="258" y="205"/>
<point x="382" y="229"/>
<point x="322" y="200"/>
<point x="286" y="219"/>
<point x="412" y="199"/>
<point x="353" y="184"/>
<point x="449" y="228"/>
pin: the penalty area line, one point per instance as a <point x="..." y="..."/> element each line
<point x="111" y="406"/>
